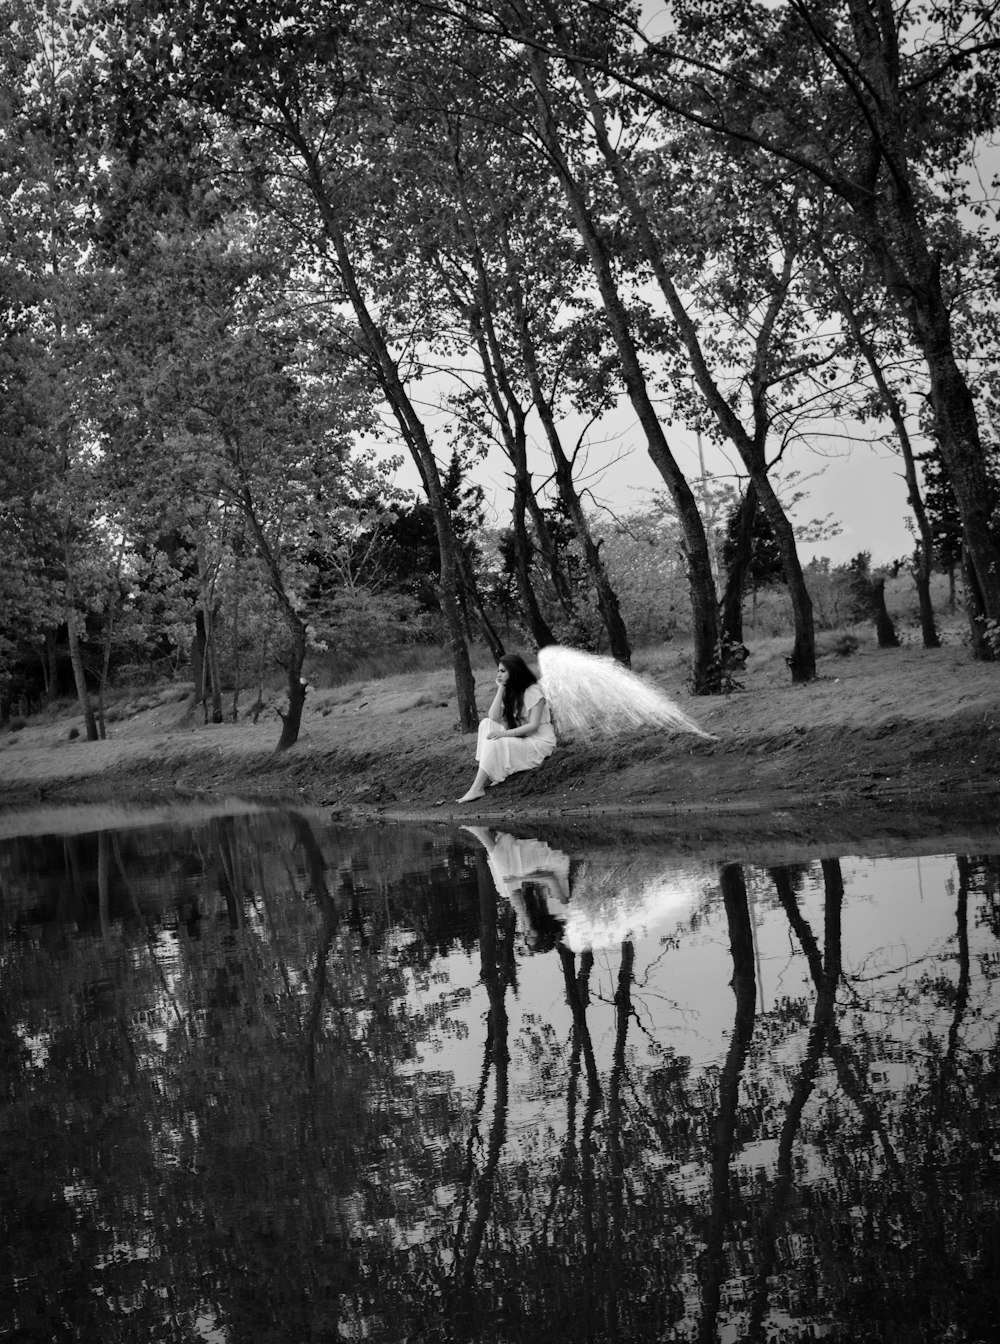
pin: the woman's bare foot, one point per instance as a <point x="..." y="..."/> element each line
<point x="477" y="789"/>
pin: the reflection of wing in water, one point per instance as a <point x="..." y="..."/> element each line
<point x="612" y="901"/>
<point x="590" y="694"/>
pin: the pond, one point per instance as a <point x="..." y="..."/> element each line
<point x="271" y="1078"/>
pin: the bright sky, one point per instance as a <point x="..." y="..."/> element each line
<point x="860" y="485"/>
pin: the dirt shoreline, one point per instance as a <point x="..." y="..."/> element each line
<point x="891" y="746"/>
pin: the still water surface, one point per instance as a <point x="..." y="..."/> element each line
<point x="271" y="1079"/>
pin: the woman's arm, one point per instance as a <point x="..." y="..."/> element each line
<point x="529" y="728"/>
<point x="495" y="711"/>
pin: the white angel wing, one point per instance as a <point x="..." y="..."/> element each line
<point x="631" y="899"/>
<point x="591" y="694"/>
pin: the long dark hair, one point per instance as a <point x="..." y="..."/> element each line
<point x="520" y="678"/>
<point x="544" y="929"/>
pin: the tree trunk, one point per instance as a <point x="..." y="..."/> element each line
<point x="921" y="569"/>
<point x="410" y="425"/>
<point x="50" y="668"/>
<point x="897" y="238"/>
<point x="79" y="677"/>
<point x="607" y="598"/>
<point x="198" y="663"/>
<point x="723" y="1130"/>
<point x="925" y="547"/>
<point x="553" y="561"/>
<point x="235" y="660"/>
<point x="739" y="568"/>
<point x="497" y="1055"/>
<point x="207" y="586"/>
<point x="212" y="652"/>
<point x="511" y="418"/>
<point x="511" y="414"/>
<point x="291" y="719"/>
<point x="538" y="626"/>
<point x="706" y="677"/>
<point x="884" y="628"/>
<point x="415" y="437"/>
<point x="471" y="590"/>
<point x="802" y="660"/>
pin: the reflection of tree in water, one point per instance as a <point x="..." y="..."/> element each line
<point x="208" y="1122"/>
<point x="222" y="1107"/>
<point x="922" y="1246"/>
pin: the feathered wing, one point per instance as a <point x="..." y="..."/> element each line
<point x="629" y="898"/>
<point x="591" y="694"/>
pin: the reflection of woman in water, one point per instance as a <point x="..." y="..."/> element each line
<point x="517" y="732"/>
<point x="534" y="878"/>
<point x="612" y="899"/>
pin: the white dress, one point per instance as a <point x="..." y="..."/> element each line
<point x="503" y="756"/>
<point x="515" y="861"/>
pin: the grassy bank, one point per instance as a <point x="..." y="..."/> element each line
<point x="905" y="733"/>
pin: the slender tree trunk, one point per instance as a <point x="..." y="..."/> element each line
<point x="706" y="677"/>
<point x="822" y="1028"/>
<point x="75" y="653"/>
<point x="50" y="668"/>
<point x="211" y="663"/>
<point x="43" y="663"/>
<point x="102" y="682"/>
<point x="885" y="631"/>
<point x="893" y="229"/>
<point x="498" y="1028"/>
<point x="739" y="568"/>
<point x="291" y="719"/>
<point x="511" y="418"/>
<point x="410" y="425"/>
<point x="802" y="661"/>
<point x="79" y="676"/>
<point x="415" y="437"/>
<point x="723" y="1128"/>
<point x="538" y="626"/>
<point x="925" y="548"/>
<point x="607" y="598"/>
<point x="549" y="549"/>
<point x="471" y="589"/>
<point x="235" y="660"/>
<point x="199" y="666"/>
<point x="212" y="657"/>
<point x="922" y="569"/>
<point x="617" y="1221"/>
<point x="511" y="415"/>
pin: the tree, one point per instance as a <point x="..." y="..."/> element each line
<point x="308" y="142"/>
<point x="550" y="132"/>
<point x="253" y="410"/>
<point x="868" y="590"/>
<point x="849" y="100"/>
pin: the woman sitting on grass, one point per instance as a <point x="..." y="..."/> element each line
<point x="517" y="732"/>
